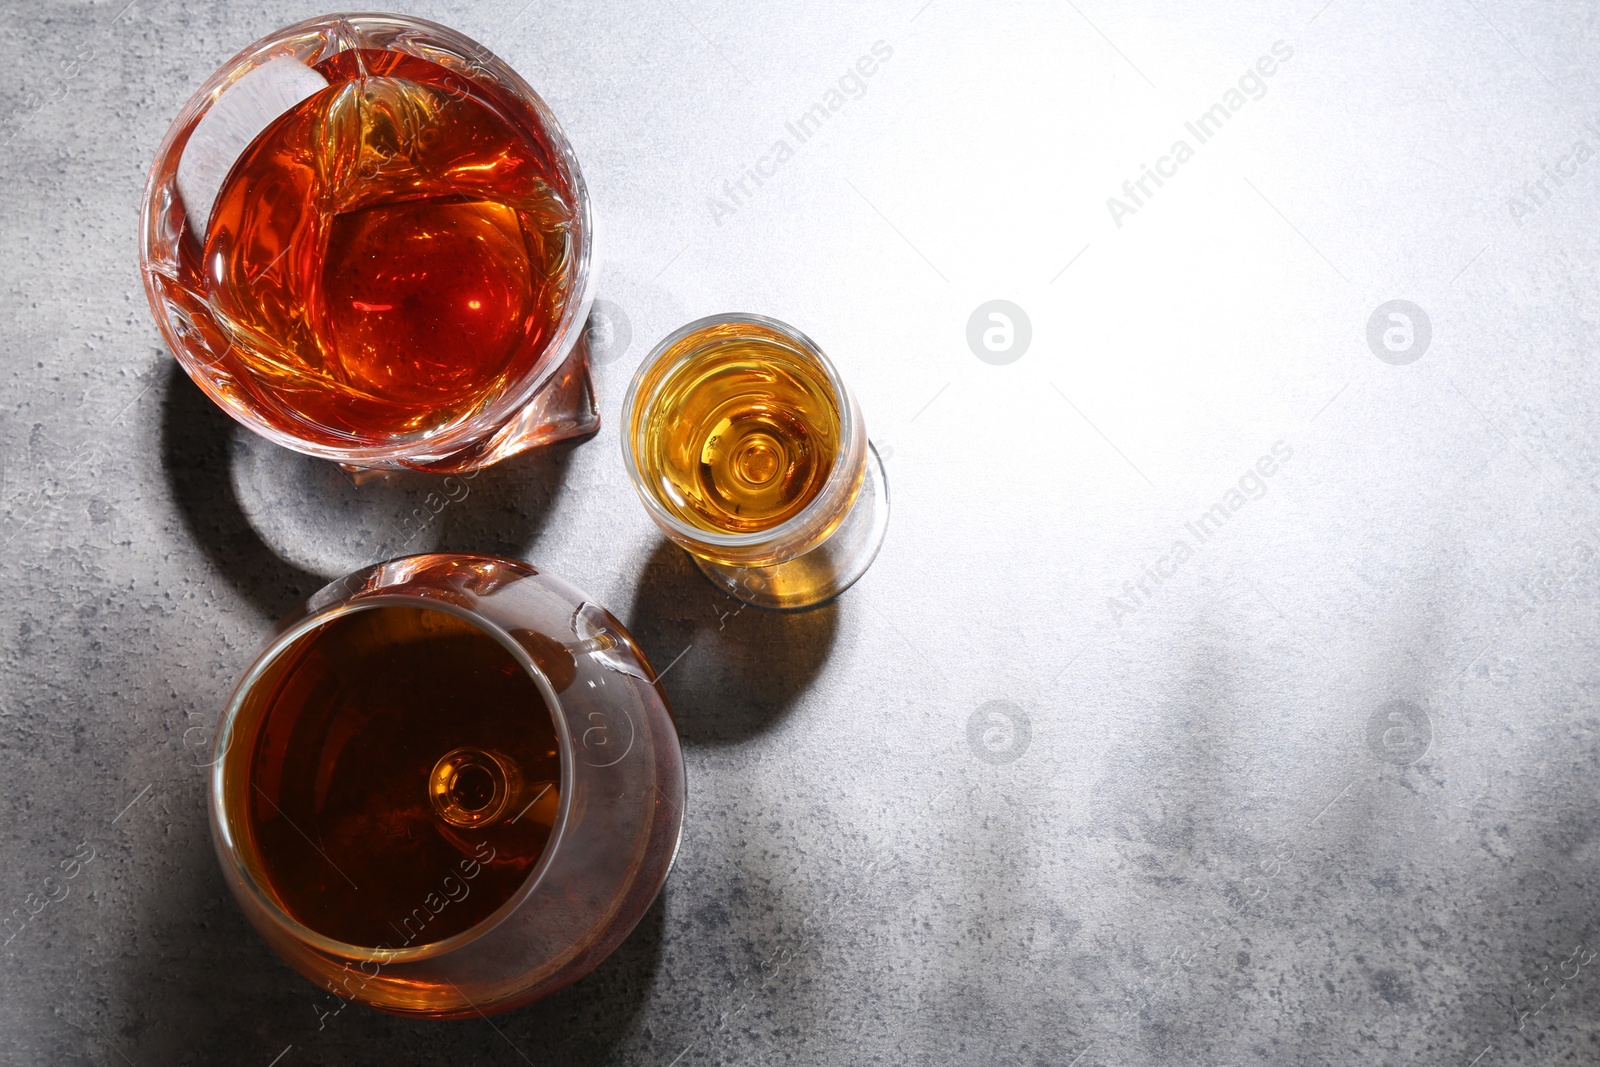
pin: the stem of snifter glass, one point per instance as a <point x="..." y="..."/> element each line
<point x="474" y="787"/>
<point x="817" y="576"/>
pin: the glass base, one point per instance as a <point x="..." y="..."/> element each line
<point x="823" y="573"/>
<point x="564" y="407"/>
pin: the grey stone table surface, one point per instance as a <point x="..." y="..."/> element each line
<point x="1226" y="689"/>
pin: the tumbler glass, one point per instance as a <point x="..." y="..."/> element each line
<point x="449" y="786"/>
<point x="368" y="240"/>
<point x="749" y="451"/>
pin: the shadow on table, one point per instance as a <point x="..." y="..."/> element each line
<point x="730" y="671"/>
<point x="196" y="442"/>
<point x="498" y="510"/>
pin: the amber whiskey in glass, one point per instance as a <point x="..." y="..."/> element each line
<point x="369" y="240"/>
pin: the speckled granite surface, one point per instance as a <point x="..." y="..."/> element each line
<point x="1225" y="692"/>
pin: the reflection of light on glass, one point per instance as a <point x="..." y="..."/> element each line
<point x="596" y="639"/>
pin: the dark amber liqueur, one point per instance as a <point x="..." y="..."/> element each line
<point x="390" y="253"/>
<point x="404" y="778"/>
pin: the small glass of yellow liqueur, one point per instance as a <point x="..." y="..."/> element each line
<point x="749" y="451"/>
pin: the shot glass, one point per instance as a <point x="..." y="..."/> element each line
<point x="449" y="786"/>
<point x="749" y="451"/>
<point x="367" y="239"/>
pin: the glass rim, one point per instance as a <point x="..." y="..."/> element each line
<point x="223" y="815"/>
<point x="466" y="431"/>
<point x="796" y="524"/>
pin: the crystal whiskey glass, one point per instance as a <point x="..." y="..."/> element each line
<point x="368" y="239"/>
